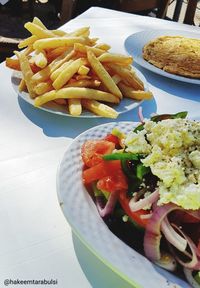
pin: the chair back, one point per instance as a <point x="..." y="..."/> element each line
<point x="191" y="7"/>
<point x="135" y="6"/>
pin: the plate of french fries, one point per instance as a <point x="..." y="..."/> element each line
<point x="71" y="74"/>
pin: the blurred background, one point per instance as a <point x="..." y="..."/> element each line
<point x="54" y="13"/>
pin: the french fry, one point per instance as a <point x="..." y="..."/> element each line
<point x="27" y="73"/>
<point x="38" y="22"/>
<point x="75" y="107"/>
<point x="142" y="95"/>
<point x="115" y="58"/>
<point x="57" y="42"/>
<point x="80" y="31"/>
<point x="67" y="73"/>
<point x="99" y="108"/>
<point x="133" y="94"/>
<point x="83" y="77"/>
<point x="45" y="73"/>
<point x="59" y="33"/>
<point x="38" y="31"/>
<point x="135" y="76"/>
<point x="72" y="70"/>
<point x="103" y="46"/>
<point x="13" y="64"/>
<point x="57" y="72"/>
<point x="55" y="53"/>
<point x="40" y="59"/>
<point x="116" y="78"/>
<point x="78" y="47"/>
<point x="43" y="87"/>
<point x="86" y="93"/>
<point x="83" y="70"/>
<point x="22" y="85"/>
<point x="28" y="41"/>
<point x="28" y="50"/>
<point x="84" y="83"/>
<point x="126" y="74"/>
<point x="75" y="93"/>
<point x="103" y="74"/>
<point x="92" y="41"/>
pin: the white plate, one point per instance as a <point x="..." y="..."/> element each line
<point x="124" y="106"/>
<point x="135" y="43"/>
<point x="82" y="215"/>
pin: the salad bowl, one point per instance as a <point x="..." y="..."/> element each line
<point x="83" y="217"/>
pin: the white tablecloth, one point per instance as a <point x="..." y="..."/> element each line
<point x="36" y="242"/>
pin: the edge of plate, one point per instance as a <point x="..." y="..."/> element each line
<point x="102" y="259"/>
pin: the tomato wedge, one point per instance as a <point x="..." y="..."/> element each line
<point x="135" y="216"/>
<point x="101" y="170"/>
<point x="93" y="150"/>
<point x="112" y="138"/>
<point x="113" y="183"/>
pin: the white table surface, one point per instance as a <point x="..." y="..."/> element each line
<point x="36" y="242"/>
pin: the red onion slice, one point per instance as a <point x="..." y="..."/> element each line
<point x="110" y="204"/>
<point x="172" y="236"/>
<point x="140" y="115"/>
<point x="195" y="262"/>
<point x="153" y="234"/>
<point x="195" y="214"/>
<point x="135" y="206"/>
<point x="198" y="250"/>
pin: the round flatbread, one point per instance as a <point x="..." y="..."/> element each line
<point x="174" y="54"/>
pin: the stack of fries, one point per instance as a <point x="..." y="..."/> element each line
<point x="71" y="69"/>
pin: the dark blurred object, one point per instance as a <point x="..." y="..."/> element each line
<point x="7" y="46"/>
<point x="190" y="11"/>
<point x="82" y="6"/>
<point x="72" y="8"/>
<point x="144" y="7"/>
<point x="15" y="13"/>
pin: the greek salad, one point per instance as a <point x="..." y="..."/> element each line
<point x="146" y="187"/>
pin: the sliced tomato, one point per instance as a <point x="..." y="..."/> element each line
<point x="112" y="138"/>
<point x="113" y="183"/>
<point x="101" y="170"/>
<point x="135" y="216"/>
<point x="93" y="150"/>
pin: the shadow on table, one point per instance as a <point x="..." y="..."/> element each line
<point x="62" y="126"/>
<point x="98" y="274"/>
<point x="171" y="86"/>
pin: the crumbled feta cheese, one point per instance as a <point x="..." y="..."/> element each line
<point x="194" y="157"/>
<point x="136" y="143"/>
<point x="172" y="150"/>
